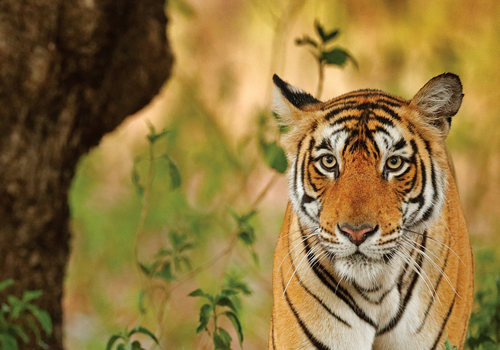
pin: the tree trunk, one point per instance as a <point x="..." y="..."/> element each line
<point x="70" y="71"/>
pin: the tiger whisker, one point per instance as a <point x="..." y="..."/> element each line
<point x="340" y="280"/>
<point x="409" y="259"/>
<point x="293" y="232"/>
<point x="304" y="238"/>
<point x="435" y="240"/>
<point x="312" y="251"/>
<point x="440" y="270"/>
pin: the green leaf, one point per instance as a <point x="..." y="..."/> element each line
<point x="153" y="136"/>
<point x="236" y="324"/>
<point x="140" y="301"/>
<point x="42" y="316"/>
<point x="121" y="347"/>
<point x="8" y="342"/>
<point x="235" y="216"/>
<point x="248" y="216"/>
<point x="136" y="346"/>
<point x="134" y="176"/>
<point x="205" y="313"/>
<point x="255" y="258"/>
<point x="238" y="285"/>
<point x="148" y="269"/>
<point x="144" y="331"/>
<point x="186" y="246"/>
<point x="166" y="273"/>
<point x="17" y="306"/>
<point x="187" y="262"/>
<point x="197" y="293"/>
<point x="30" y="295"/>
<point x="112" y="340"/>
<point x="225" y="336"/>
<point x="222" y="340"/>
<point x="173" y="171"/>
<point x="6" y="283"/>
<point x="176" y="240"/>
<point x="19" y="331"/>
<point x="319" y="29"/>
<point x="337" y="57"/>
<point x="306" y="40"/>
<point x="225" y="301"/>
<point x="275" y="157"/>
<point x="34" y="327"/>
<point x="226" y="292"/>
<point x="163" y="252"/>
<point x="330" y="36"/>
<point x="246" y="237"/>
<point x="247" y="233"/>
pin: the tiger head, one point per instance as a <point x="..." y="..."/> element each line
<point x="367" y="167"/>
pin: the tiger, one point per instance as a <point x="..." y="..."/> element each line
<point x="374" y="251"/>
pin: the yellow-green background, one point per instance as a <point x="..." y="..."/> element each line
<point x="226" y="52"/>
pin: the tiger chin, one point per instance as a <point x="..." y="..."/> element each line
<point x="374" y="251"/>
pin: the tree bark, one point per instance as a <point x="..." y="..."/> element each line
<point x="70" y="71"/>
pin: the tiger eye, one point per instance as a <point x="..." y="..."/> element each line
<point x="328" y="162"/>
<point x="394" y="163"/>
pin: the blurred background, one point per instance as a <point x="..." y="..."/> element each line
<point x="216" y="109"/>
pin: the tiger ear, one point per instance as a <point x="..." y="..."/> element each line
<point x="440" y="100"/>
<point x="289" y="102"/>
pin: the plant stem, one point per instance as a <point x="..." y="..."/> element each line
<point x="146" y="199"/>
<point x="321" y="71"/>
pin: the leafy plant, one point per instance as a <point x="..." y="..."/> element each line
<point x="246" y="232"/>
<point x="324" y="53"/>
<point x="272" y="153"/>
<point x="18" y="315"/>
<point x="124" y="342"/>
<point x="484" y="328"/>
<point x="226" y="299"/>
<point x="175" y="175"/>
<point x="169" y="261"/>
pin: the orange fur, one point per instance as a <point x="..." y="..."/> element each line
<point x="325" y="308"/>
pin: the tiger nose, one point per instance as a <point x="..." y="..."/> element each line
<point x="357" y="234"/>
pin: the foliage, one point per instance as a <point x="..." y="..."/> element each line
<point x="123" y="339"/>
<point x="484" y="326"/>
<point x="227" y="299"/>
<point x="170" y="261"/>
<point x="324" y="53"/>
<point x="246" y="232"/>
<point x="17" y="316"/>
<point x="174" y="173"/>
<point x="272" y="153"/>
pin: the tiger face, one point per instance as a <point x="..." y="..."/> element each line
<point x="366" y="169"/>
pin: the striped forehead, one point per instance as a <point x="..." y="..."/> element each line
<point x="363" y="99"/>
<point x="369" y="116"/>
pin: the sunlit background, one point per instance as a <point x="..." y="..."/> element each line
<point x="226" y="53"/>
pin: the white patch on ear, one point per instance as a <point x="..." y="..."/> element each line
<point x="289" y="101"/>
<point x="296" y="90"/>
<point x="440" y="99"/>
<point x="432" y="102"/>
<point x="281" y="106"/>
<point x="441" y="96"/>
